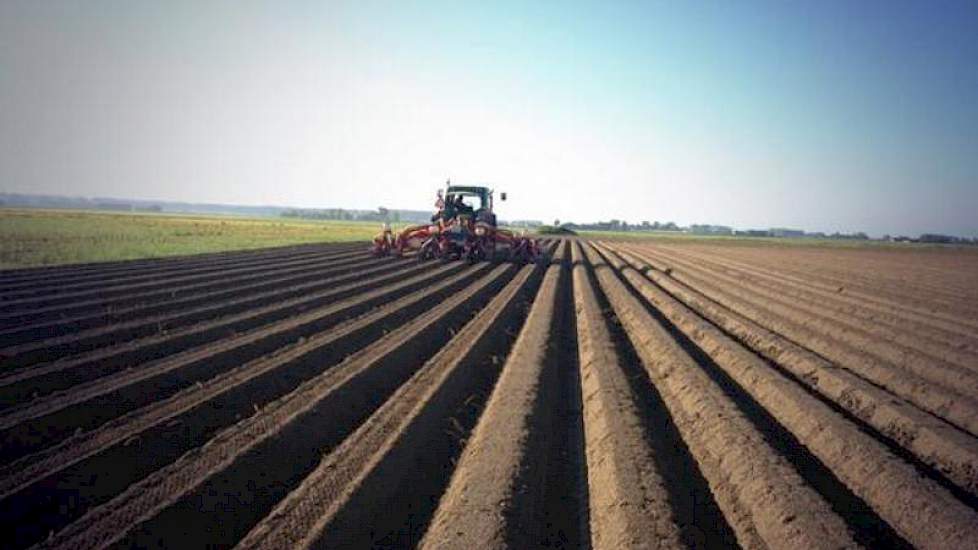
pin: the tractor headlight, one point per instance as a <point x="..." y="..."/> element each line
<point x="480" y="230"/>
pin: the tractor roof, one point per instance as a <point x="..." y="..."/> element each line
<point x="468" y="189"/>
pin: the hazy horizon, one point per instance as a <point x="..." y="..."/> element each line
<point x="142" y="202"/>
<point x="827" y="117"/>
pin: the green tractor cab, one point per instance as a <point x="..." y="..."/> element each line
<point x="464" y="227"/>
<point x="470" y="201"/>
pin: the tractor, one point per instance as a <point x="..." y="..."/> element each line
<point x="463" y="228"/>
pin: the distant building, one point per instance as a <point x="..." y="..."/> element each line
<point x="114" y="206"/>
<point x="753" y="233"/>
<point x="783" y="232"/>
<point x="936" y="238"/>
<point x="524" y="223"/>
<point x="707" y="229"/>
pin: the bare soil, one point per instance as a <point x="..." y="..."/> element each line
<point x="623" y="395"/>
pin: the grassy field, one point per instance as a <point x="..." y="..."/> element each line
<point x="31" y="237"/>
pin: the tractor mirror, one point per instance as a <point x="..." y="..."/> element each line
<point x="502" y="196"/>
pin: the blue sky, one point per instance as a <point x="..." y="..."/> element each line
<point x="825" y="116"/>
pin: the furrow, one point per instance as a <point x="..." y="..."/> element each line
<point x="924" y="513"/>
<point x="630" y="504"/>
<point x="340" y="391"/>
<point x="839" y="328"/>
<point x="36" y="278"/>
<point x="765" y="500"/>
<point x="914" y="294"/>
<point x="902" y="277"/>
<point x="73" y="295"/>
<point x="895" y="278"/>
<point x="838" y="290"/>
<point x="76" y="342"/>
<point x="49" y="489"/>
<point x="645" y="428"/>
<point x="936" y="342"/>
<point x="933" y="441"/>
<point x="20" y="435"/>
<point x="59" y="322"/>
<point x="32" y="382"/>
<point x="942" y="400"/>
<point x="39" y="273"/>
<point x="347" y="499"/>
<point x="499" y="493"/>
<point x="950" y="323"/>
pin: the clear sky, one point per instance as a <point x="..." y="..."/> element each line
<point x="818" y="115"/>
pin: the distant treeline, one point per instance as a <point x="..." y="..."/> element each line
<point x="776" y="232"/>
<point x="19" y="200"/>
<point x="932" y="238"/>
<point x="619" y="225"/>
<point x="380" y="215"/>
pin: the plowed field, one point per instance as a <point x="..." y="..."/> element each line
<point x="627" y="394"/>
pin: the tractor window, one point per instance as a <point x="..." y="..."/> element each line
<point x="470" y="200"/>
